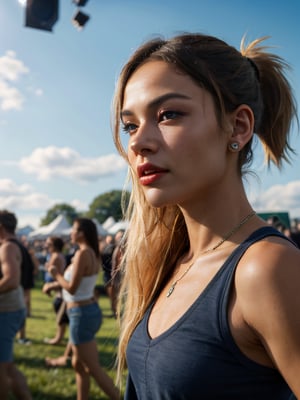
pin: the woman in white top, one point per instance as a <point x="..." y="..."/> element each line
<point x="83" y="311"/>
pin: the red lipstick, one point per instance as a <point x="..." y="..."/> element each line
<point x="149" y="173"/>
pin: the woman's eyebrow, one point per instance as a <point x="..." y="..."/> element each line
<point x="157" y="101"/>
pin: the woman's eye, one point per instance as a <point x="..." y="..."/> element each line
<point x="166" y="115"/>
<point x="129" y="127"/>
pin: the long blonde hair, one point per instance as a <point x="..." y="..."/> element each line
<point x="157" y="237"/>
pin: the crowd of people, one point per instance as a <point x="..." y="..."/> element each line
<point x="73" y="277"/>
<point x="54" y="264"/>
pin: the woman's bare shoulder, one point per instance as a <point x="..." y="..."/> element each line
<point x="268" y="275"/>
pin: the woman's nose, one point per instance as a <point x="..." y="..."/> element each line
<point x="144" y="141"/>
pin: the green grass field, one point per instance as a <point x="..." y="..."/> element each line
<point x="59" y="383"/>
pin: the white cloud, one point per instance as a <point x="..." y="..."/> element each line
<point x="28" y="204"/>
<point x="10" y="67"/>
<point x="54" y="162"/>
<point x="22" y="197"/>
<point x="32" y="220"/>
<point x="10" y="97"/>
<point x="8" y="187"/>
<point x="79" y="205"/>
<point x="10" y="71"/>
<point x="280" y="198"/>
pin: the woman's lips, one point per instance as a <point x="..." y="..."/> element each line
<point x="149" y="173"/>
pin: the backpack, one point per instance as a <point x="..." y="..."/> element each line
<point x="27" y="266"/>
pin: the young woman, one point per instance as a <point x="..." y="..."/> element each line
<point x="211" y="292"/>
<point x="54" y="246"/>
<point x="84" y="313"/>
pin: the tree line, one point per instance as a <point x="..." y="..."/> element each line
<point x="106" y="205"/>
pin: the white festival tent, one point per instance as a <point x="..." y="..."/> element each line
<point x="108" y="223"/>
<point x="100" y="228"/>
<point x="58" y="227"/>
<point x="120" y="225"/>
<point x="112" y="227"/>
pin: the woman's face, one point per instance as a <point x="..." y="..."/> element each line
<point x="49" y="245"/>
<point x="75" y="233"/>
<point x="176" y="147"/>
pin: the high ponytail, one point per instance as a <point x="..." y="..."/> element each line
<point x="273" y="123"/>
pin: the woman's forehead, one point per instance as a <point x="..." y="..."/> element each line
<point x="155" y="80"/>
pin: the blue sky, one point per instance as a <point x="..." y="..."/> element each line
<point x="56" y="90"/>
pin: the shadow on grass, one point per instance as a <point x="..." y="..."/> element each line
<point x="37" y="395"/>
<point x="43" y="396"/>
<point x="107" y="351"/>
<point x="32" y="362"/>
<point x="107" y="347"/>
<point x="37" y="317"/>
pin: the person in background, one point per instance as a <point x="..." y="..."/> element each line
<point x="106" y="248"/>
<point x="12" y="308"/>
<point x="60" y="361"/>
<point x="210" y="295"/>
<point x="85" y="316"/>
<point x="55" y="247"/>
<point x="63" y="360"/>
<point x="30" y="268"/>
<point x="30" y="248"/>
<point x="116" y="274"/>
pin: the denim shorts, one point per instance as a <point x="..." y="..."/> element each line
<point x="84" y="323"/>
<point x="10" y="323"/>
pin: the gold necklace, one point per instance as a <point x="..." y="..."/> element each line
<point x="226" y="237"/>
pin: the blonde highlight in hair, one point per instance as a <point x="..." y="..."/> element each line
<point x="153" y="244"/>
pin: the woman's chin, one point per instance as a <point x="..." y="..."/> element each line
<point x="158" y="198"/>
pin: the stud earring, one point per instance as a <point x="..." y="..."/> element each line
<point x="234" y="146"/>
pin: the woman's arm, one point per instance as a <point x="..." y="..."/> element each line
<point x="268" y="292"/>
<point x="79" y="262"/>
<point x="59" y="262"/>
<point x="48" y="287"/>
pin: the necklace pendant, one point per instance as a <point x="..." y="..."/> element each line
<point x="226" y="237"/>
<point x="171" y="290"/>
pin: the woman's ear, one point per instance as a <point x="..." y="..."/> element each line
<point x="242" y="122"/>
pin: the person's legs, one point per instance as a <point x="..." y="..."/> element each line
<point x="10" y="377"/>
<point x="60" y="334"/>
<point x="61" y="321"/>
<point x="82" y="377"/>
<point x="18" y="381"/>
<point x="109" y="292"/>
<point x="27" y="298"/>
<point x="61" y="361"/>
<point x="84" y="323"/>
<point x="4" y="381"/>
<point x="87" y="353"/>
<point x="22" y="335"/>
<point x="22" y="332"/>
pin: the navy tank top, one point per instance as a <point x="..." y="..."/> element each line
<point x="197" y="358"/>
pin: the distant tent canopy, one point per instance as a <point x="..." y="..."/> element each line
<point x="58" y="227"/>
<point x="121" y="225"/>
<point x="112" y="226"/>
<point x="277" y="218"/>
<point x="24" y="231"/>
